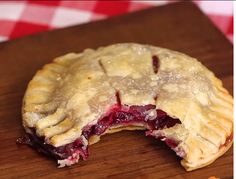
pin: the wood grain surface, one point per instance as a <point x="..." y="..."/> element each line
<point x="178" y="26"/>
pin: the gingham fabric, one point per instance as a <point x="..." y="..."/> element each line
<point x="20" y="18"/>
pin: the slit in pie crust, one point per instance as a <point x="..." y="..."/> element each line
<point x="77" y="98"/>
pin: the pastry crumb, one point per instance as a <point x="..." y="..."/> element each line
<point x="213" y="177"/>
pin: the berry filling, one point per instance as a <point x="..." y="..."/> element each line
<point x="147" y="116"/>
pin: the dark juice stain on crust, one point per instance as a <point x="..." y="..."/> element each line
<point x="38" y="143"/>
<point x="147" y="115"/>
<point x="171" y="142"/>
<point x="228" y="140"/>
<point x="155" y="63"/>
<point x="56" y="153"/>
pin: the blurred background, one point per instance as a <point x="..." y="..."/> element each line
<point x="21" y="18"/>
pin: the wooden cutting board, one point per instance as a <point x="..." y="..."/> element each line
<point x="178" y="26"/>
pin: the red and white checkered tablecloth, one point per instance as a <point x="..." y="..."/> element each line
<point x="20" y="18"/>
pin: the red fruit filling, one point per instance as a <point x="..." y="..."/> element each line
<point x="147" y="116"/>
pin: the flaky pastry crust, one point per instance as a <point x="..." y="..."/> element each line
<point x="75" y="90"/>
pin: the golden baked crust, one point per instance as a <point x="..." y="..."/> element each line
<point x="77" y="89"/>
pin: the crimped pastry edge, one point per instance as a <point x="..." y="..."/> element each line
<point x="206" y="161"/>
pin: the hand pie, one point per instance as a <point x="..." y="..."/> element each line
<point x="77" y="98"/>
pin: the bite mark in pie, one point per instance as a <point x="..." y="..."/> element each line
<point x="71" y="102"/>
